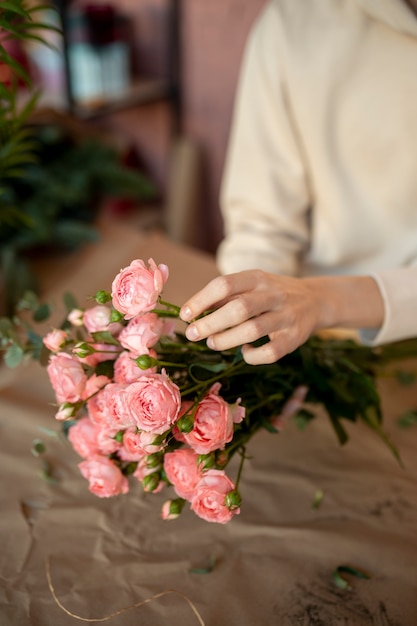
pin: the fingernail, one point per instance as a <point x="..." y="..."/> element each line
<point x="186" y="313"/>
<point x="192" y="333"/>
<point x="210" y="343"/>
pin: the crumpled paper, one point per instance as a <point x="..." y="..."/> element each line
<point x="273" y="563"/>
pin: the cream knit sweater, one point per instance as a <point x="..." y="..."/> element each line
<point x="321" y="169"/>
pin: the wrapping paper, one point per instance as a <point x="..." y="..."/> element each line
<point x="272" y="564"/>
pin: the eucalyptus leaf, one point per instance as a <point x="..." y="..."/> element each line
<point x="14" y="356"/>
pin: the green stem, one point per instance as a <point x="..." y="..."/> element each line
<point x="242" y="460"/>
<point x="171" y="306"/>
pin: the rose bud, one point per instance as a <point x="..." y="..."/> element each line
<point x="172" y="509"/>
<point x="233" y="500"/>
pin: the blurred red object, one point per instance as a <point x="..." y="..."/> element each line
<point x="16" y="51"/>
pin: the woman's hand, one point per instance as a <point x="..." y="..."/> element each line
<point x="252" y="304"/>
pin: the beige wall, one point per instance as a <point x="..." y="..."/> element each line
<point x="213" y="33"/>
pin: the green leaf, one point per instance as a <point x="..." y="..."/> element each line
<point x="407" y="419"/>
<point x="38" y="447"/>
<point x="204" y="570"/>
<point x="14" y="356"/>
<point x="42" y="313"/>
<point x="302" y="418"/>
<point x="341" y="582"/>
<point x="104" y="336"/>
<point x="318" y="498"/>
<point x="70" y="301"/>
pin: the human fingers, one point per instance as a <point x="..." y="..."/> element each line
<point x="217" y="292"/>
<point x="242" y="319"/>
<point x="281" y="342"/>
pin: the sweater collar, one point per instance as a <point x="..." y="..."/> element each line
<point x="396" y="13"/>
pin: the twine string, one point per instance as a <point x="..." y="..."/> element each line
<point x="136" y="605"/>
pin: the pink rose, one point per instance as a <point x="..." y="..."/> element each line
<point x="97" y="408"/>
<point x="75" y="317"/>
<point x="98" y="319"/>
<point x="141" y="333"/>
<point x="55" y="339"/>
<point x="154" y="403"/>
<point x="118" y="414"/>
<point x="83" y="437"/>
<point x="94" y="384"/>
<point x="126" y="370"/>
<point x="209" y="497"/>
<point x="67" y="377"/>
<point x="106" y="439"/>
<point x="147" y="442"/>
<point x="104" y="477"/>
<point x="183" y="471"/>
<point x="213" y="425"/>
<point x="136" y="288"/>
<point x="131" y="449"/>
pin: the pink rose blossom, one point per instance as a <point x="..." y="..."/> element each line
<point x="154" y="403"/>
<point x="141" y="333"/>
<point x="136" y="288"/>
<point x="106" y="439"/>
<point x="104" y="477"/>
<point x="131" y="449"/>
<point x="83" y="437"/>
<point x="98" y="319"/>
<point x="213" y="425"/>
<point x="126" y="370"/>
<point x="183" y="471"/>
<point x="118" y="414"/>
<point x="75" y="317"/>
<point x="97" y="408"/>
<point x="147" y="442"/>
<point x="208" y="501"/>
<point x="94" y="384"/>
<point x="67" y="377"/>
<point x="55" y="339"/>
<point x="238" y="411"/>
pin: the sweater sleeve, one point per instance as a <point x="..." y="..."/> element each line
<point x="399" y="291"/>
<point x="264" y="194"/>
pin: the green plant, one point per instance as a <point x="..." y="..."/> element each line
<point x="51" y="182"/>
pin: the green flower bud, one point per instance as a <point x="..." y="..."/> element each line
<point x="119" y="436"/>
<point x="185" y="424"/>
<point x="145" y="361"/>
<point x="102" y="297"/>
<point x="206" y="461"/>
<point x="172" y="508"/>
<point x="151" y="482"/>
<point x="153" y="460"/>
<point x="83" y="349"/>
<point x="233" y="500"/>
<point x="115" y="316"/>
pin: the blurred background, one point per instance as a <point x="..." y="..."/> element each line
<point x="153" y="80"/>
<point x="157" y="75"/>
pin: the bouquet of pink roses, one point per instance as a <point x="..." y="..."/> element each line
<point x="140" y="403"/>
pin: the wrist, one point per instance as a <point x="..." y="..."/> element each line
<point x="347" y="301"/>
